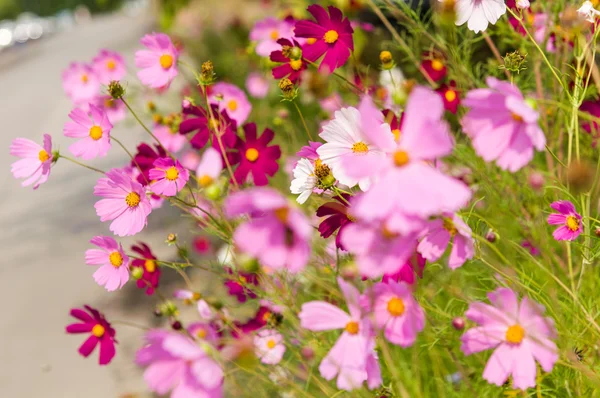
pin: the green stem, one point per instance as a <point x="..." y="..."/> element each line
<point x="303" y="121"/>
<point x="143" y="125"/>
<point x="81" y="164"/>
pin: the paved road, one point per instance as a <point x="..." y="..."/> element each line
<point x="44" y="233"/>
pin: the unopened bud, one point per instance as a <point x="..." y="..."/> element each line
<point x="151" y="106"/>
<point x="387" y="61"/>
<point x="176" y="325"/>
<point x="536" y="180"/>
<point x="597" y="232"/>
<point x="207" y="74"/>
<point x="515" y="62"/>
<point x="168" y="308"/>
<point x="522" y="4"/>
<point x="171" y="238"/>
<point x="115" y="89"/>
<point x="308" y="353"/>
<point x="491" y="236"/>
<point x="296" y="53"/>
<point x="137" y="273"/>
<point x="287" y="88"/>
<point x="458" y="323"/>
<point x="213" y="192"/>
<point x="249" y="264"/>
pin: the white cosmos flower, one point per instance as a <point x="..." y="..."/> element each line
<point x="345" y="143"/>
<point x="479" y="13"/>
<point x="304" y="181"/>
<point x="392" y="80"/>
<point x="588" y="11"/>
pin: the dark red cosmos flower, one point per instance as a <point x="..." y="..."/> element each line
<point x="151" y="275"/>
<point x="144" y="158"/>
<point x="593" y="108"/>
<point x="240" y="287"/>
<point x="291" y="68"/>
<point x="256" y="157"/>
<point x="93" y="322"/>
<point x="206" y="124"/>
<point x="450" y="95"/>
<point x="331" y="36"/>
<point x="338" y="218"/>
<point x="435" y="66"/>
<point x="263" y="316"/>
<point x="412" y="267"/>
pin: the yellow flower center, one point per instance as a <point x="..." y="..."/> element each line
<point x="232" y="105"/>
<point x="321" y="169"/>
<point x="296" y="64"/>
<point x="132" y="199"/>
<point x="150" y="265"/>
<point x="311" y="40"/>
<point x="166" y="61"/>
<point x="98" y="330"/>
<point x="401" y="158"/>
<point x="271" y="344"/>
<point x="387" y="234"/>
<point x="517" y="118"/>
<point x="84" y="78"/>
<point x="395" y="306"/>
<point x="95" y="133"/>
<point x="396" y="133"/>
<point x="381" y="93"/>
<point x="243" y="279"/>
<point x="360" y="147"/>
<point x="109" y="103"/>
<point x="331" y="36"/>
<point x="282" y="214"/>
<point x="515" y="334"/>
<point x="43" y="156"/>
<point x="450" y="95"/>
<point x="213" y="124"/>
<point x="172" y="173"/>
<point x="205" y="181"/>
<point x="352" y="327"/>
<point x="196" y="296"/>
<point x="267" y="316"/>
<point x="201" y="333"/>
<point x="437" y="65"/>
<point x="111" y="64"/>
<point x="449" y="226"/>
<point x="115" y="259"/>
<point x="251" y="154"/>
<point x="572" y="223"/>
<point x="274" y="35"/>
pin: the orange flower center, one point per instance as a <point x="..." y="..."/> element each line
<point x="396" y="133"/>
<point x="84" y="78"/>
<point x="95" y="133"/>
<point x="251" y="154"/>
<point x="572" y="223"/>
<point x="205" y="181"/>
<point x="331" y="36"/>
<point x="282" y="214"/>
<point x="311" y="40"/>
<point x="43" y="156"/>
<point x="132" y="199"/>
<point x="401" y="158"/>
<point x="172" y="173"/>
<point x="232" y="105"/>
<point x="115" y="259"/>
<point x="166" y="61"/>
<point x="360" y="147"/>
<point x="517" y="118"/>
<point x="271" y="344"/>
<point x="150" y="265"/>
<point x="450" y="95"/>
<point x="98" y="330"/>
<point x="111" y="64"/>
<point x="437" y="65"/>
<point x="201" y="333"/>
<point x="274" y="35"/>
<point x="515" y="334"/>
<point x="296" y="64"/>
<point x="449" y="226"/>
<point x="395" y="306"/>
<point x="352" y="327"/>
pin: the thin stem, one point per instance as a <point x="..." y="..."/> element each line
<point x="496" y="53"/>
<point x="131" y="156"/>
<point x="335" y="73"/>
<point x="81" y="164"/>
<point x="303" y="121"/>
<point x="570" y="264"/>
<point x="143" y="125"/>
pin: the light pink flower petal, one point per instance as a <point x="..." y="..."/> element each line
<point x="319" y="315"/>
<point x="501" y="364"/>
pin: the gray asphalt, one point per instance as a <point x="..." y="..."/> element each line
<point x="44" y="233"/>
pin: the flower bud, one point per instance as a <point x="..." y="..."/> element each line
<point x="580" y="176"/>
<point x="137" y="273"/>
<point x="515" y="62"/>
<point x="536" y="180"/>
<point x="207" y="74"/>
<point x="249" y="264"/>
<point x="168" y="308"/>
<point x="447" y="12"/>
<point x="176" y="325"/>
<point x="115" y="89"/>
<point x="213" y="192"/>
<point x="308" y="353"/>
<point x="288" y="89"/>
<point x="491" y="236"/>
<point x="171" y="238"/>
<point x="522" y="4"/>
<point x="296" y="53"/>
<point x="458" y="323"/>
<point x="387" y="62"/>
<point x="597" y="232"/>
<point x="151" y="106"/>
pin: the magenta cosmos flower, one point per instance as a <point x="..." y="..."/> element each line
<point x="36" y="160"/>
<point x="435" y="66"/>
<point x="93" y="129"/>
<point x="438" y="236"/>
<point x="519" y="335"/>
<point x="267" y="31"/>
<point x="338" y="218"/>
<point x="502" y="125"/>
<point x="207" y="125"/>
<point x="291" y="68"/>
<point x="231" y="98"/>
<point x="158" y="63"/>
<point x="331" y="35"/>
<point x="257" y="158"/>
<point x="240" y="284"/>
<point x="114" y="271"/>
<point x="147" y="263"/>
<point x="450" y="95"/>
<point x="568" y="219"/>
<point x="168" y="177"/>
<point x="394" y="311"/>
<point x="80" y="83"/>
<point x="176" y="363"/>
<point x="407" y="186"/>
<point x="100" y="333"/>
<point x="144" y="160"/>
<point x="269" y="346"/>
<point x="348" y="357"/>
<point x="276" y="234"/>
<point x="124" y="202"/>
<point x="109" y="65"/>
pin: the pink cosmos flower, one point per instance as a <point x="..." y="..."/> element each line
<point x="171" y="140"/>
<point x="94" y="131"/>
<point x="151" y="270"/>
<point x="407" y="186"/>
<point x="115" y="109"/>
<point x="519" y="335"/>
<point x="309" y="151"/>
<point x="124" y="202"/>
<point x="502" y="125"/>
<point x="114" y="271"/>
<point x="438" y="236"/>
<point x="267" y="31"/>
<point x="257" y="158"/>
<point x="210" y="167"/>
<point x="395" y="311"/>
<point x="108" y="66"/>
<point x="168" y="177"/>
<point x="291" y="68"/>
<point x="176" y="363"/>
<point x="144" y="160"/>
<point x="276" y="234"/>
<point x="35" y="163"/>
<point x="80" y="83"/>
<point x="269" y="346"/>
<point x="187" y="296"/>
<point x="203" y="331"/>
<point x="333" y="35"/>
<point x="331" y="103"/>
<point x="158" y="63"/>
<point x="568" y="219"/>
<point x="231" y="98"/>
<point x="348" y="357"/>
<point x="257" y="85"/>
<point x="100" y="333"/>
